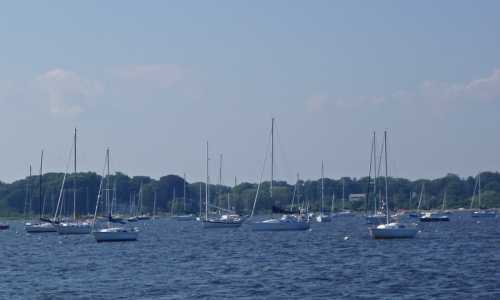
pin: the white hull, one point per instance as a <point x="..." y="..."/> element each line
<point x="220" y="224"/>
<point x="39" y="227"/>
<point x="484" y="214"/>
<point x="393" y="231"/>
<point x="115" y="235"/>
<point x="279" y="225"/>
<point x="184" y="218"/>
<point x="73" y="228"/>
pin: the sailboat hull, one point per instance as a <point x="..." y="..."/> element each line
<point x="220" y="224"/>
<point x="184" y="218"/>
<point x="393" y="233"/>
<point x="39" y="227"/>
<point x="115" y="236"/>
<point x="73" y="228"/>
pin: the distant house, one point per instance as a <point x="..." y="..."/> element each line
<point x="357" y="197"/>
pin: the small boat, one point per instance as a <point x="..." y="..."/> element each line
<point x="224" y="221"/>
<point x="484" y="214"/>
<point x="481" y="213"/>
<point x="285" y="223"/>
<point x="133" y="219"/>
<point x="4" y="226"/>
<point x="39" y="227"/>
<point x="322" y="217"/>
<point x="434" y="217"/>
<point x="188" y="217"/>
<point x="73" y="228"/>
<point x="143" y="217"/>
<point x="111" y="233"/>
<point x="116" y="234"/>
<point x="345" y="213"/>
<point x="392" y="230"/>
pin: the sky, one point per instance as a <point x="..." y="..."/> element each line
<point x="155" y="80"/>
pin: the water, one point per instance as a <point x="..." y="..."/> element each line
<point x="180" y="260"/>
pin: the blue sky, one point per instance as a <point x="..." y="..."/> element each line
<point x="154" y="80"/>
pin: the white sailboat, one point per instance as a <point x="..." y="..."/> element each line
<point x="322" y="217"/>
<point x="184" y="217"/>
<point x="392" y="230"/>
<point x="344" y="212"/>
<point x="224" y="221"/>
<point x="436" y="216"/>
<point x="481" y="213"/>
<point x="39" y="226"/>
<point x="75" y="226"/>
<point x="288" y="222"/>
<point x="377" y="217"/>
<point x="110" y="233"/>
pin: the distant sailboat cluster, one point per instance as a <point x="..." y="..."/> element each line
<point x="106" y="225"/>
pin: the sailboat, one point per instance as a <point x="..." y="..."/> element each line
<point x="184" y="217"/>
<point x="288" y="222"/>
<point x="110" y="233"/>
<point x="322" y="217"/>
<point x="344" y="212"/>
<point x="39" y="226"/>
<point x="377" y="217"/>
<point x="391" y="230"/>
<point x="224" y="221"/>
<point x="142" y="215"/>
<point x="480" y="213"/>
<point x="418" y="214"/>
<point x="436" y="216"/>
<point x="75" y="226"/>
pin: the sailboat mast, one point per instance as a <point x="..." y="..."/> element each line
<point x="206" y="190"/>
<point x="375" y="173"/>
<point x="343" y="193"/>
<point x="272" y="158"/>
<point x="479" y="191"/>
<point x="184" y="193"/>
<point x="108" y="206"/>
<point x="322" y="186"/>
<point x="386" y="184"/>
<point x="40" y="185"/>
<point x="74" y="178"/>
<point x="30" y="192"/>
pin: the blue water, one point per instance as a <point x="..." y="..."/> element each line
<point x="181" y="260"/>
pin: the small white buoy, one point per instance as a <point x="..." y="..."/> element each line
<point x="346" y="238"/>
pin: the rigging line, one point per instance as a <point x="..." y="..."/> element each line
<point x="261" y="175"/>
<point x="58" y="207"/>
<point x="99" y="193"/>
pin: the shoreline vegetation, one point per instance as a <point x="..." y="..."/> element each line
<point x="15" y="197"/>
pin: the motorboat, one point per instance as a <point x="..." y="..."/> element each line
<point x="285" y="223"/>
<point x="434" y="217"/>
<point x="393" y="231"/>
<point x="116" y="234"/>
<point x="4" y="226"/>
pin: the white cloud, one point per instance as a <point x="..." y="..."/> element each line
<point x="316" y="103"/>
<point x="161" y="76"/>
<point x="66" y="91"/>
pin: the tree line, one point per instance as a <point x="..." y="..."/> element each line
<point x="23" y="196"/>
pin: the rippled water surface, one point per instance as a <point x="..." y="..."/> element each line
<point x="181" y="260"/>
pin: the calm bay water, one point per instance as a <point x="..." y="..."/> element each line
<point x="181" y="260"/>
